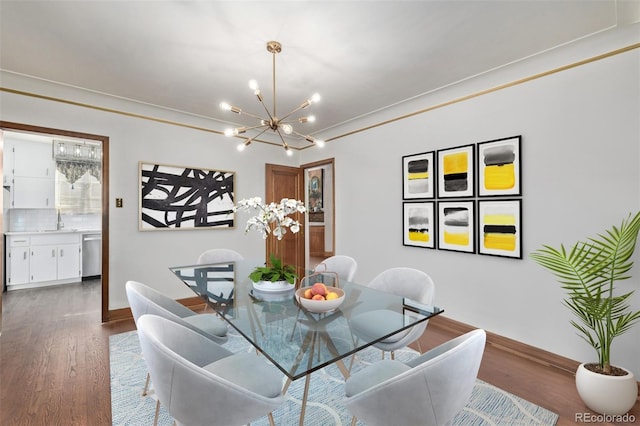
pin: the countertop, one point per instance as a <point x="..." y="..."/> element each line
<point x="55" y="231"/>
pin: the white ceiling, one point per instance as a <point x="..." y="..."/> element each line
<point x="361" y="56"/>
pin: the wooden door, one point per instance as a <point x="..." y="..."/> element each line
<point x="286" y="182"/>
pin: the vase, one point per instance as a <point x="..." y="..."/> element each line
<point x="273" y="286"/>
<point x="604" y="394"/>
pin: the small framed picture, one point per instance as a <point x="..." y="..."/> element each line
<point x="500" y="228"/>
<point x="418" y="176"/>
<point x="456" y="172"/>
<point x="418" y="224"/>
<point x="456" y="226"/>
<point x="499" y="171"/>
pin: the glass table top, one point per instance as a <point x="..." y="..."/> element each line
<point x="297" y="341"/>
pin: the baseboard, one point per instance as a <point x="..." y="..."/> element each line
<point x="509" y="345"/>
<point x="194" y="303"/>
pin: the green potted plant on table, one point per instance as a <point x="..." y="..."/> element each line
<point x="275" y="276"/>
<point x="588" y="272"/>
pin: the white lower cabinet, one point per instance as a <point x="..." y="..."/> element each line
<point x="44" y="263"/>
<point x="44" y="259"/>
<point x="69" y="261"/>
<point x="19" y="255"/>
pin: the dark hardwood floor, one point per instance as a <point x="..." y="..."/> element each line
<point x="54" y="362"/>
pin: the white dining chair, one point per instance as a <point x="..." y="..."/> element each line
<point x="344" y="266"/>
<point x="202" y="383"/>
<point x="219" y="255"/>
<point x="428" y="390"/>
<point x="406" y="282"/>
<point x="146" y="300"/>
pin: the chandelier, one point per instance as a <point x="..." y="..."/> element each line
<point x="278" y="125"/>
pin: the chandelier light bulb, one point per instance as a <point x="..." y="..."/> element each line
<point x="287" y="128"/>
<point x="315" y="98"/>
<point x="288" y="151"/>
<point x="230" y="132"/>
<point x="241" y="147"/>
<point x="320" y="143"/>
<point x="225" y="106"/>
<point x="253" y="85"/>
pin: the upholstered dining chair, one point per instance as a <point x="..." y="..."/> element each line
<point x="146" y="300"/>
<point x="428" y="390"/>
<point x="344" y="266"/>
<point x="219" y="255"/>
<point x="407" y="282"/>
<point x="202" y="383"/>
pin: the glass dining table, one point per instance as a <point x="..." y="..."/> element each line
<point x="296" y="341"/>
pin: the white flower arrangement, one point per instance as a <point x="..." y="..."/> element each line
<point x="272" y="213"/>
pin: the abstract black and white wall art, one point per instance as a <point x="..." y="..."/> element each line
<point x="456" y="226"/>
<point x="499" y="230"/>
<point x="175" y="197"/>
<point x="456" y="172"/>
<point x="499" y="171"/>
<point x="418" y="176"/>
<point x="419" y="224"/>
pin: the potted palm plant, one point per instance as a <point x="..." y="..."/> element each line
<point x="588" y="271"/>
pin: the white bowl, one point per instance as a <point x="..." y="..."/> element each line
<point x="319" y="306"/>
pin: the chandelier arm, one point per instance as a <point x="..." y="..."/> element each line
<point x="266" y="110"/>
<point x="266" y="126"/>
<point x="252" y="115"/>
<point x="259" y="134"/>
<point x="304" y="105"/>
<point x="307" y="137"/>
<point x="284" y="144"/>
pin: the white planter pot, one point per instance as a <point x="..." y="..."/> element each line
<point x="604" y="394"/>
<point x="273" y="286"/>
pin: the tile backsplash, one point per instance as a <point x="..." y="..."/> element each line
<point x="34" y="220"/>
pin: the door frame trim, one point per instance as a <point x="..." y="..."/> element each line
<point x="27" y="128"/>
<point x="327" y="161"/>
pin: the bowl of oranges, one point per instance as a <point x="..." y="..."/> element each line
<point x="319" y="298"/>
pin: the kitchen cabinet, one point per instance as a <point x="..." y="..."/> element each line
<point x="44" y="263"/>
<point x="69" y="261"/>
<point x="33" y="193"/>
<point x="33" y="159"/>
<point x="31" y="169"/>
<point x="7" y="164"/>
<point x="51" y="258"/>
<point x="18" y="257"/>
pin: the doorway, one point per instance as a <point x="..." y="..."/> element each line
<point x="314" y="183"/>
<point x="319" y="184"/>
<point x="96" y="141"/>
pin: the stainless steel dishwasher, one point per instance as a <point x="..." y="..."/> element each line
<point x="91" y="255"/>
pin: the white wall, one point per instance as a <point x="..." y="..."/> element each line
<point x="580" y="144"/>
<point x="581" y="156"/>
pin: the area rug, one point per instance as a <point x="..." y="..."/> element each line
<point x="488" y="405"/>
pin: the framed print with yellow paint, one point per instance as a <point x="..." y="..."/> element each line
<point x="499" y="171"/>
<point x="456" y="172"/>
<point x="500" y="228"/>
<point x="418" y="176"/>
<point x="456" y="226"/>
<point x="419" y="224"/>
